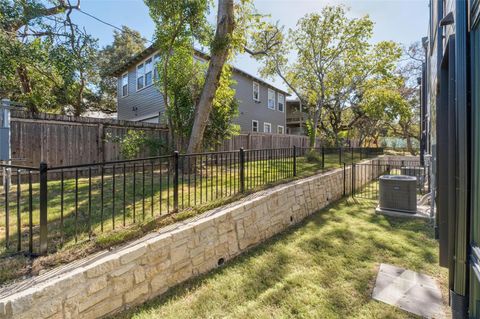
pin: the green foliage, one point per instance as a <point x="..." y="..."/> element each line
<point x="52" y="65"/>
<point x="187" y="76"/>
<point x="135" y="142"/>
<point x="131" y="144"/>
<point x="224" y="110"/>
<point x="334" y="68"/>
<point x="47" y="62"/>
<point x="313" y="157"/>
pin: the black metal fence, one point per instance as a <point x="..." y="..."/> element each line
<point x="47" y="207"/>
<point x="365" y="176"/>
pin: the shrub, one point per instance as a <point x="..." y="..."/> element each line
<point x="313" y="157"/>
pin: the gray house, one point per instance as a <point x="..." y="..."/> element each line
<point x="261" y="105"/>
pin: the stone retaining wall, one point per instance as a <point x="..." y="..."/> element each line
<point x="132" y="274"/>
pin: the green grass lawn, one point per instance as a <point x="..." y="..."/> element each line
<point x="323" y="268"/>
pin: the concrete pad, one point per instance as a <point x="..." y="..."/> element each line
<point x="408" y="290"/>
<point x="423" y="212"/>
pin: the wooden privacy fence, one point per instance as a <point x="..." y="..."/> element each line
<point x="258" y="141"/>
<point x="68" y="140"/>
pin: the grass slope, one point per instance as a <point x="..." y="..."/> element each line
<point x="323" y="268"/>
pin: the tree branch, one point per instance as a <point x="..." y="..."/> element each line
<point x="45" y="12"/>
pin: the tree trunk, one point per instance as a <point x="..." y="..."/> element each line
<point x="219" y="55"/>
<point x="337" y="139"/>
<point x="79" y="103"/>
<point x="26" y="86"/>
<point x="313" y="131"/>
<point x="314" y="128"/>
<point x="409" y="145"/>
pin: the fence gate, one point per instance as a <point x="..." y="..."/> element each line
<point x="365" y="177"/>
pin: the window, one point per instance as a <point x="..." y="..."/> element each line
<point x="140" y="76"/>
<point x="254" y="126"/>
<point x="271" y="99"/>
<point x="280" y="129"/>
<point x="281" y="102"/>
<point x="156" y="60"/>
<point x="148" y="72"/>
<point x="256" y="91"/>
<point x="267" y="127"/>
<point x="125" y="84"/>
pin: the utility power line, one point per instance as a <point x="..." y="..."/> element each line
<point x="112" y="25"/>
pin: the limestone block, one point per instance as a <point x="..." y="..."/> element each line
<point x="21" y="304"/>
<point x="103" y="308"/>
<point x="138" y="292"/>
<point x="122" y="283"/>
<point x="92" y="299"/>
<point x="180" y="275"/>
<point x="180" y="234"/>
<point x="179" y="253"/>
<point x="198" y="259"/>
<point x="42" y="308"/>
<point x="205" y="267"/>
<point x="139" y="275"/>
<point x="132" y="253"/>
<point x="155" y="256"/>
<point x="161" y="242"/>
<point x="208" y="234"/>
<point x="3" y="309"/>
<point x="159" y="283"/>
<point x="122" y="270"/>
<point x="97" y="284"/>
<point x="151" y="271"/>
<point x="181" y="264"/>
<point x="225" y="226"/>
<point x="165" y="266"/>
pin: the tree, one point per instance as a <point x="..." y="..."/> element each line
<point x="47" y="60"/>
<point x="186" y="80"/>
<point x="334" y="61"/>
<point x="182" y="24"/>
<point x="382" y="105"/>
<point x="408" y="124"/>
<point x="392" y="105"/>
<point x="126" y="44"/>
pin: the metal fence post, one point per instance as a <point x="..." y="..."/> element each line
<point x="323" y="157"/>
<point x="43" y="208"/>
<point x="242" y="170"/>
<point x="294" y="160"/>
<point x="351" y="150"/>
<point x="344" y="179"/>
<point x="175" y="181"/>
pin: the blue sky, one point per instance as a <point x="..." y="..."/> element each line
<point x="403" y="21"/>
